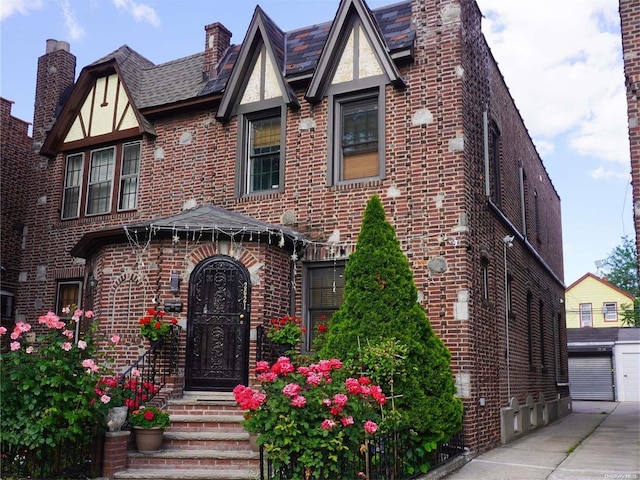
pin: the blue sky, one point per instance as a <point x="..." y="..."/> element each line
<point x="561" y="60"/>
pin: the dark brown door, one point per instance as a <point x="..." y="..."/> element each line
<point x="218" y="325"/>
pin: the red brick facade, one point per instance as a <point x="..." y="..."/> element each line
<point x="434" y="158"/>
<point x="15" y="148"/>
<point x="630" y="23"/>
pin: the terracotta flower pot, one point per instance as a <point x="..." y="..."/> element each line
<point x="148" y="439"/>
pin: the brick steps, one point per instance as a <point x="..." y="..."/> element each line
<point x="205" y="441"/>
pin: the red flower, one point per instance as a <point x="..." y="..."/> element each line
<point x="322" y="328"/>
<point x="149" y="415"/>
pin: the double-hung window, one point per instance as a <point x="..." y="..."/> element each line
<point x="260" y="152"/>
<point x="90" y="185"/>
<point x="610" y="311"/>
<point x="358" y="137"/>
<point x="129" y="177"/>
<point x="586" y="318"/>
<point x="263" y="171"/>
<point x="100" y="181"/>
<point x="324" y="295"/>
<point x="72" y="186"/>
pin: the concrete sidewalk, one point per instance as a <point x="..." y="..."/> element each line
<point x="599" y="440"/>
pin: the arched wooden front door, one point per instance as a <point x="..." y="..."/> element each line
<point x="218" y="325"/>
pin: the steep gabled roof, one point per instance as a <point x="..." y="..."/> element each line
<point x="128" y="65"/>
<point x="297" y="54"/>
<point x="304" y="46"/>
<point x="340" y="28"/>
<point x="262" y="31"/>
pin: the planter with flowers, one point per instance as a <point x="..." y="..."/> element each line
<point x="286" y="333"/>
<point x="155" y="328"/>
<point x="119" y="395"/>
<point x="149" y="424"/>
<point x="311" y="419"/>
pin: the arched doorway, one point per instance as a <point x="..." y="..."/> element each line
<point x="218" y="325"/>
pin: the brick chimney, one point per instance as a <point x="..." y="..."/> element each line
<point x="217" y="41"/>
<point x="56" y="73"/>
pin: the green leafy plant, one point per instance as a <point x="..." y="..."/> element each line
<point x="149" y="417"/>
<point x="312" y="418"/>
<point x="47" y="382"/>
<point x="381" y="302"/>
<point x="153" y="326"/>
<point x="286" y="330"/>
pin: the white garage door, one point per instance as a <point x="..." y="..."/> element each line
<point x="631" y="376"/>
<point x="591" y="377"/>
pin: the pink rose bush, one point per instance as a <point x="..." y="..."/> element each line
<point x="311" y="417"/>
<point x="59" y="373"/>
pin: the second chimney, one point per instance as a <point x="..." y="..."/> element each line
<point x="217" y="41"/>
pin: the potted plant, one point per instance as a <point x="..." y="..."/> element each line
<point x="154" y="327"/>
<point x="149" y="423"/>
<point x="286" y="332"/>
<point x="115" y="397"/>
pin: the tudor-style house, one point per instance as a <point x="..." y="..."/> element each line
<point x="228" y="187"/>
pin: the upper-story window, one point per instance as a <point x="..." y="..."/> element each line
<point x="358" y="146"/>
<point x="610" y="311"/>
<point x="360" y="139"/>
<point x="260" y="158"/>
<point x="264" y="154"/>
<point x="104" y="167"/>
<point x="586" y="318"/>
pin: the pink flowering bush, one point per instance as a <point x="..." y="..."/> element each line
<point x="48" y="383"/>
<point x="309" y="418"/>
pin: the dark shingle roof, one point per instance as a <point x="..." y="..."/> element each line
<point x="205" y="219"/>
<point x="208" y="217"/>
<point x="298" y="52"/>
<point x="602" y="335"/>
<point x="591" y="335"/>
<point x="172" y="81"/>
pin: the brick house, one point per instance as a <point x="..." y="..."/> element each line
<point x="229" y="186"/>
<point x="630" y="27"/>
<point x="15" y="152"/>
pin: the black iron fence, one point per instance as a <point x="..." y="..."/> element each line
<point x="77" y="459"/>
<point x="390" y="456"/>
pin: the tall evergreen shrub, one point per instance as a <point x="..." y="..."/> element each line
<point x="380" y="302"/>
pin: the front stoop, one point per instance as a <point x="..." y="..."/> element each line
<point x="204" y="442"/>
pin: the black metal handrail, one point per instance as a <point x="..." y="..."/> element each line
<point x="148" y="375"/>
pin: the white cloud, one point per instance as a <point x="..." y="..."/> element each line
<point x="74" y="28"/>
<point x="10" y="7"/>
<point x="141" y="11"/>
<point x="563" y="64"/>
<point x="602" y="173"/>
